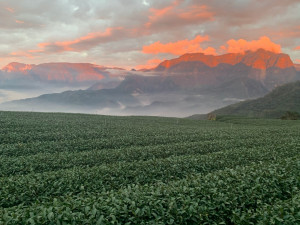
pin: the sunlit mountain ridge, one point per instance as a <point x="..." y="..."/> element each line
<point x="178" y="87"/>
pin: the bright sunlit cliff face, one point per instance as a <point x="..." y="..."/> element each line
<point x="141" y="34"/>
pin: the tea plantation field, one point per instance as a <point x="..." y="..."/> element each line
<point x="89" y="169"/>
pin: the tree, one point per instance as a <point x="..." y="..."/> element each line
<point x="211" y="116"/>
<point x="290" y="116"/>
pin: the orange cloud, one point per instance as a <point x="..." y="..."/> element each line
<point x="177" y="13"/>
<point x="21" y="54"/>
<point x="35" y="50"/>
<point x="11" y="10"/>
<point x="150" y="64"/>
<point x="180" y="47"/>
<point x="19" y="21"/>
<point x="241" y="45"/>
<point x="297" y="48"/>
<point x="155" y="61"/>
<point x="79" y="44"/>
<point x="196" y="12"/>
<point x="157" y="13"/>
<point x="287" y="32"/>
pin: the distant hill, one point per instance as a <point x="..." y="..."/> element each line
<point x="74" y="101"/>
<point x="275" y="104"/>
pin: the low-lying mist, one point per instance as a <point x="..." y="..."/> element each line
<point x="161" y="104"/>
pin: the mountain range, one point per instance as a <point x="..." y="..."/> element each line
<point x="200" y="70"/>
<point x="191" y="83"/>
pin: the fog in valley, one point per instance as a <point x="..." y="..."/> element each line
<point x="161" y="104"/>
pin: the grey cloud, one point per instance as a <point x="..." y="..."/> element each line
<point x="67" y="20"/>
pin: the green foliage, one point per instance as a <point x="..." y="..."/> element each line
<point x="290" y="116"/>
<point x="273" y="105"/>
<point x="88" y="169"/>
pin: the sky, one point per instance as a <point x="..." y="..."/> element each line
<point x="141" y="33"/>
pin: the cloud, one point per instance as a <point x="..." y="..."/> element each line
<point x="251" y="19"/>
<point x="151" y="63"/>
<point x="20" y="21"/>
<point x="241" y="45"/>
<point x="193" y="46"/>
<point x="11" y="10"/>
<point x="247" y="12"/>
<point x="297" y="48"/>
<point x="22" y="54"/>
<point x="180" y="47"/>
<point x="288" y="32"/>
<point x="78" y="31"/>
<point x="196" y="13"/>
<point x="178" y="14"/>
<point x="82" y="43"/>
<point x="171" y="16"/>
